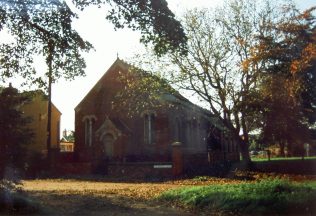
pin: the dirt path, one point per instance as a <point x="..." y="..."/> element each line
<point x="73" y="197"/>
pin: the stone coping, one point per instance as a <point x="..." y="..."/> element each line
<point x="139" y="163"/>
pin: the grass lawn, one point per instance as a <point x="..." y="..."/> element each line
<point x="292" y="165"/>
<point x="282" y="158"/>
<point x="266" y="197"/>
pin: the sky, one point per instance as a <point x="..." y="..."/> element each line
<point x="109" y="44"/>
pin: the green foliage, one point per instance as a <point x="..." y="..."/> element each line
<point x="40" y="28"/>
<point x="45" y="28"/>
<point x="155" y="21"/>
<point x="272" y="196"/>
<point x="152" y="18"/>
<point x="14" y="134"/>
<point x="256" y="159"/>
<point x="285" y="58"/>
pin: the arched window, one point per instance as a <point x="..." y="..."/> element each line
<point x="87" y="132"/>
<point x="194" y="131"/>
<point x="178" y="129"/>
<point x="149" y="129"/>
<point x="88" y="129"/>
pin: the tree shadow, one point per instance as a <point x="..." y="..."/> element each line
<point x="85" y="203"/>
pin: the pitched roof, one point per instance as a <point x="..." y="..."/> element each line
<point x="174" y="96"/>
<point x="117" y="62"/>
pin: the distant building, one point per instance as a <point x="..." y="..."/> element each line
<point x="66" y="146"/>
<point x="67" y="142"/>
<point x="37" y="110"/>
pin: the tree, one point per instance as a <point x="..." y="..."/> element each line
<point x="219" y="41"/>
<point x="288" y="78"/>
<point x="152" y="17"/>
<point x="14" y="133"/>
<point x="155" y="21"/>
<point x="39" y="27"/>
<point x="141" y="91"/>
<point x="217" y="69"/>
<point x="282" y="119"/>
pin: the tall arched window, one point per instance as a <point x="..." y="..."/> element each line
<point x="88" y="129"/>
<point x="178" y="129"/>
<point x="194" y="131"/>
<point x="87" y="132"/>
<point x="149" y="129"/>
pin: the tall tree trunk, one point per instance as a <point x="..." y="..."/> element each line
<point x="282" y="146"/>
<point x="2" y="168"/>
<point x="243" y="146"/>
<point x="244" y="150"/>
<point x="245" y="141"/>
<point x="242" y="142"/>
<point x="289" y="148"/>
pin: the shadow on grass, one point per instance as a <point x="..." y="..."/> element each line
<point x="53" y="203"/>
<point x="18" y="204"/>
<point x="13" y="200"/>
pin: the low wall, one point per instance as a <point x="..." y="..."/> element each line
<point x="140" y="170"/>
<point x="219" y="156"/>
<point x="66" y="157"/>
<point x="188" y="164"/>
<point x="74" y="169"/>
<point x="200" y="164"/>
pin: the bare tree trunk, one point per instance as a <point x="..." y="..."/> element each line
<point x="282" y="147"/>
<point x="244" y="141"/>
<point x="3" y="158"/>
<point x="243" y="146"/>
<point x="290" y="149"/>
<point x="244" y="150"/>
<point x="2" y="168"/>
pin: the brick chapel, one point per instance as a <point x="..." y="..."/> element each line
<point x="104" y="135"/>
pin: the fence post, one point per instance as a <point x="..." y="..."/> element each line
<point x="177" y="159"/>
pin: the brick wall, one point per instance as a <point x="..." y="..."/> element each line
<point x="140" y="170"/>
<point x="66" y="157"/>
<point x="74" y="169"/>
